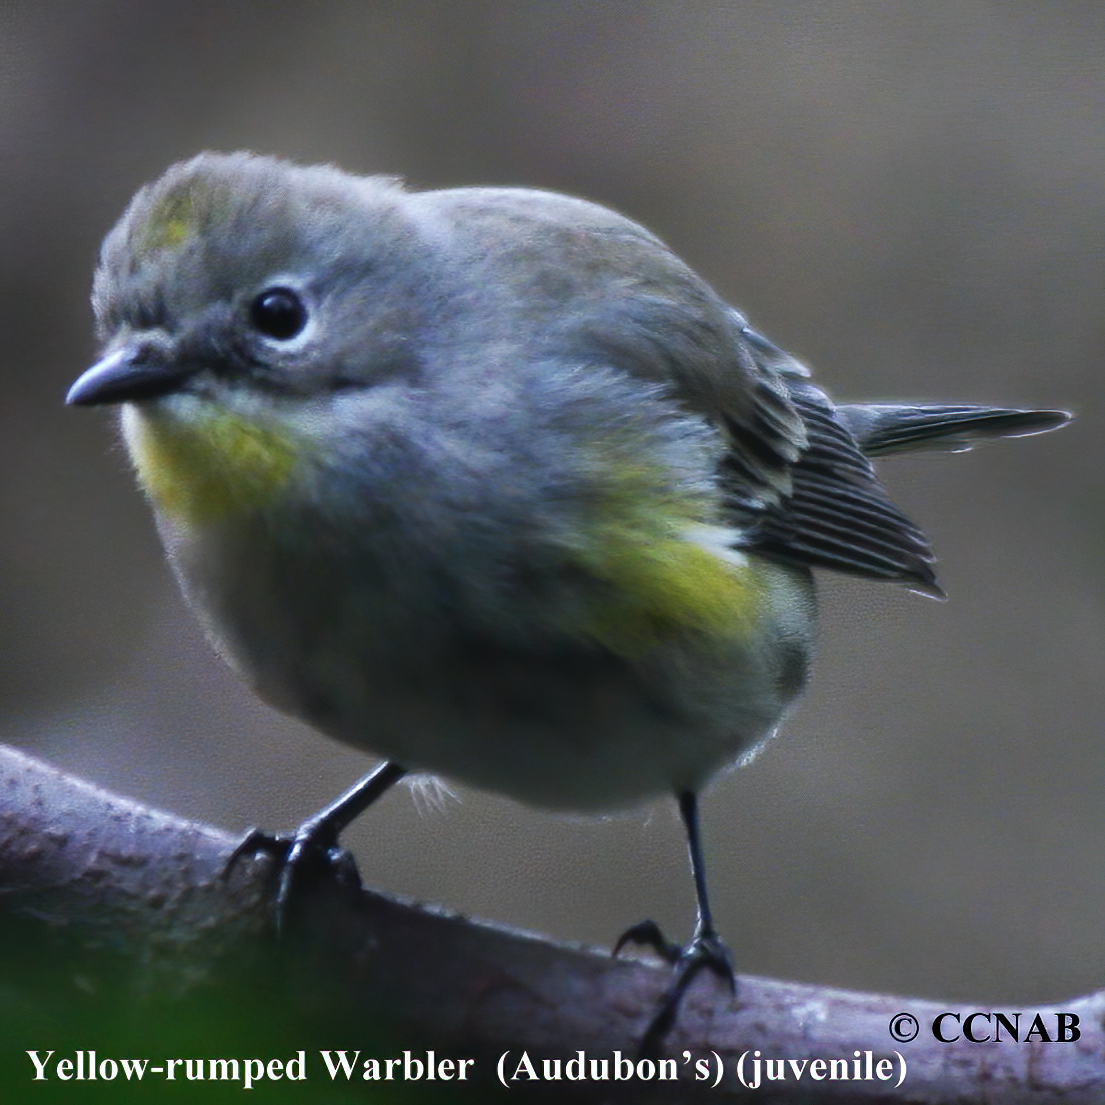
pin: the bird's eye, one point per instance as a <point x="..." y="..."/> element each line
<point x="279" y="313"/>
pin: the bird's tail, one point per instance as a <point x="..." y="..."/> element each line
<point x="900" y="428"/>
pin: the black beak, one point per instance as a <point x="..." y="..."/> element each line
<point x="130" y="373"/>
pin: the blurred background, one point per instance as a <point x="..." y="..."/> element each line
<point x="910" y="197"/>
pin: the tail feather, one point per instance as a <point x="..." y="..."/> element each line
<point x="900" y="428"/>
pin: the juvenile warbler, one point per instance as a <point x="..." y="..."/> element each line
<point x="488" y="482"/>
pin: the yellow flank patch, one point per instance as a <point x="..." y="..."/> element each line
<point x="666" y="589"/>
<point x="201" y="468"/>
<point x="662" y="583"/>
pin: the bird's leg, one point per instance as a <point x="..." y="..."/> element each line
<point x="315" y="842"/>
<point x="706" y="949"/>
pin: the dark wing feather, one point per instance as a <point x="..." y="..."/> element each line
<point x="836" y="514"/>
<point x="882" y="428"/>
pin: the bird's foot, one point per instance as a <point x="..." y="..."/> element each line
<point x="312" y="850"/>
<point x="301" y="858"/>
<point x="706" y="951"/>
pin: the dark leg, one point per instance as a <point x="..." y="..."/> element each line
<point x="315" y="842"/>
<point x="706" y="949"/>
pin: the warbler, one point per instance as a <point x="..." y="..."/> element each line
<point x="488" y="482"/>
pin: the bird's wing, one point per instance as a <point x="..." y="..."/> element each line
<point x="795" y="483"/>
<point x="835" y="513"/>
<point x="693" y="347"/>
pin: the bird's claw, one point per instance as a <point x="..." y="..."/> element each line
<point x="256" y="841"/>
<point x="706" y="951"/>
<point x="301" y="857"/>
<point x="649" y="934"/>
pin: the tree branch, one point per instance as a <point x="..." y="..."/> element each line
<point x="118" y="930"/>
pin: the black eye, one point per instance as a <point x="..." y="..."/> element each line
<point x="279" y="313"/>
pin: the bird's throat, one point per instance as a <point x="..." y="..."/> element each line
<point x="201" y="465"/>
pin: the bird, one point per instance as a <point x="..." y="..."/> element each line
<point x="489" y="483"/>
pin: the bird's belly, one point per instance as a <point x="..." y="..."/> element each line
<point x="548" y="720"/>
<point x="572" y="730"/>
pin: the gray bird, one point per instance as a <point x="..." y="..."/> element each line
<point x="489" y="483"/>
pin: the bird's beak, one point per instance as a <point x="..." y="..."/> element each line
<point x="131" y="372"/>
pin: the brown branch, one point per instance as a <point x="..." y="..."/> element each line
<point x="117" y="928"/>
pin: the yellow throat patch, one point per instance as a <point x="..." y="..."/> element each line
<point x="215" y="463"/>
